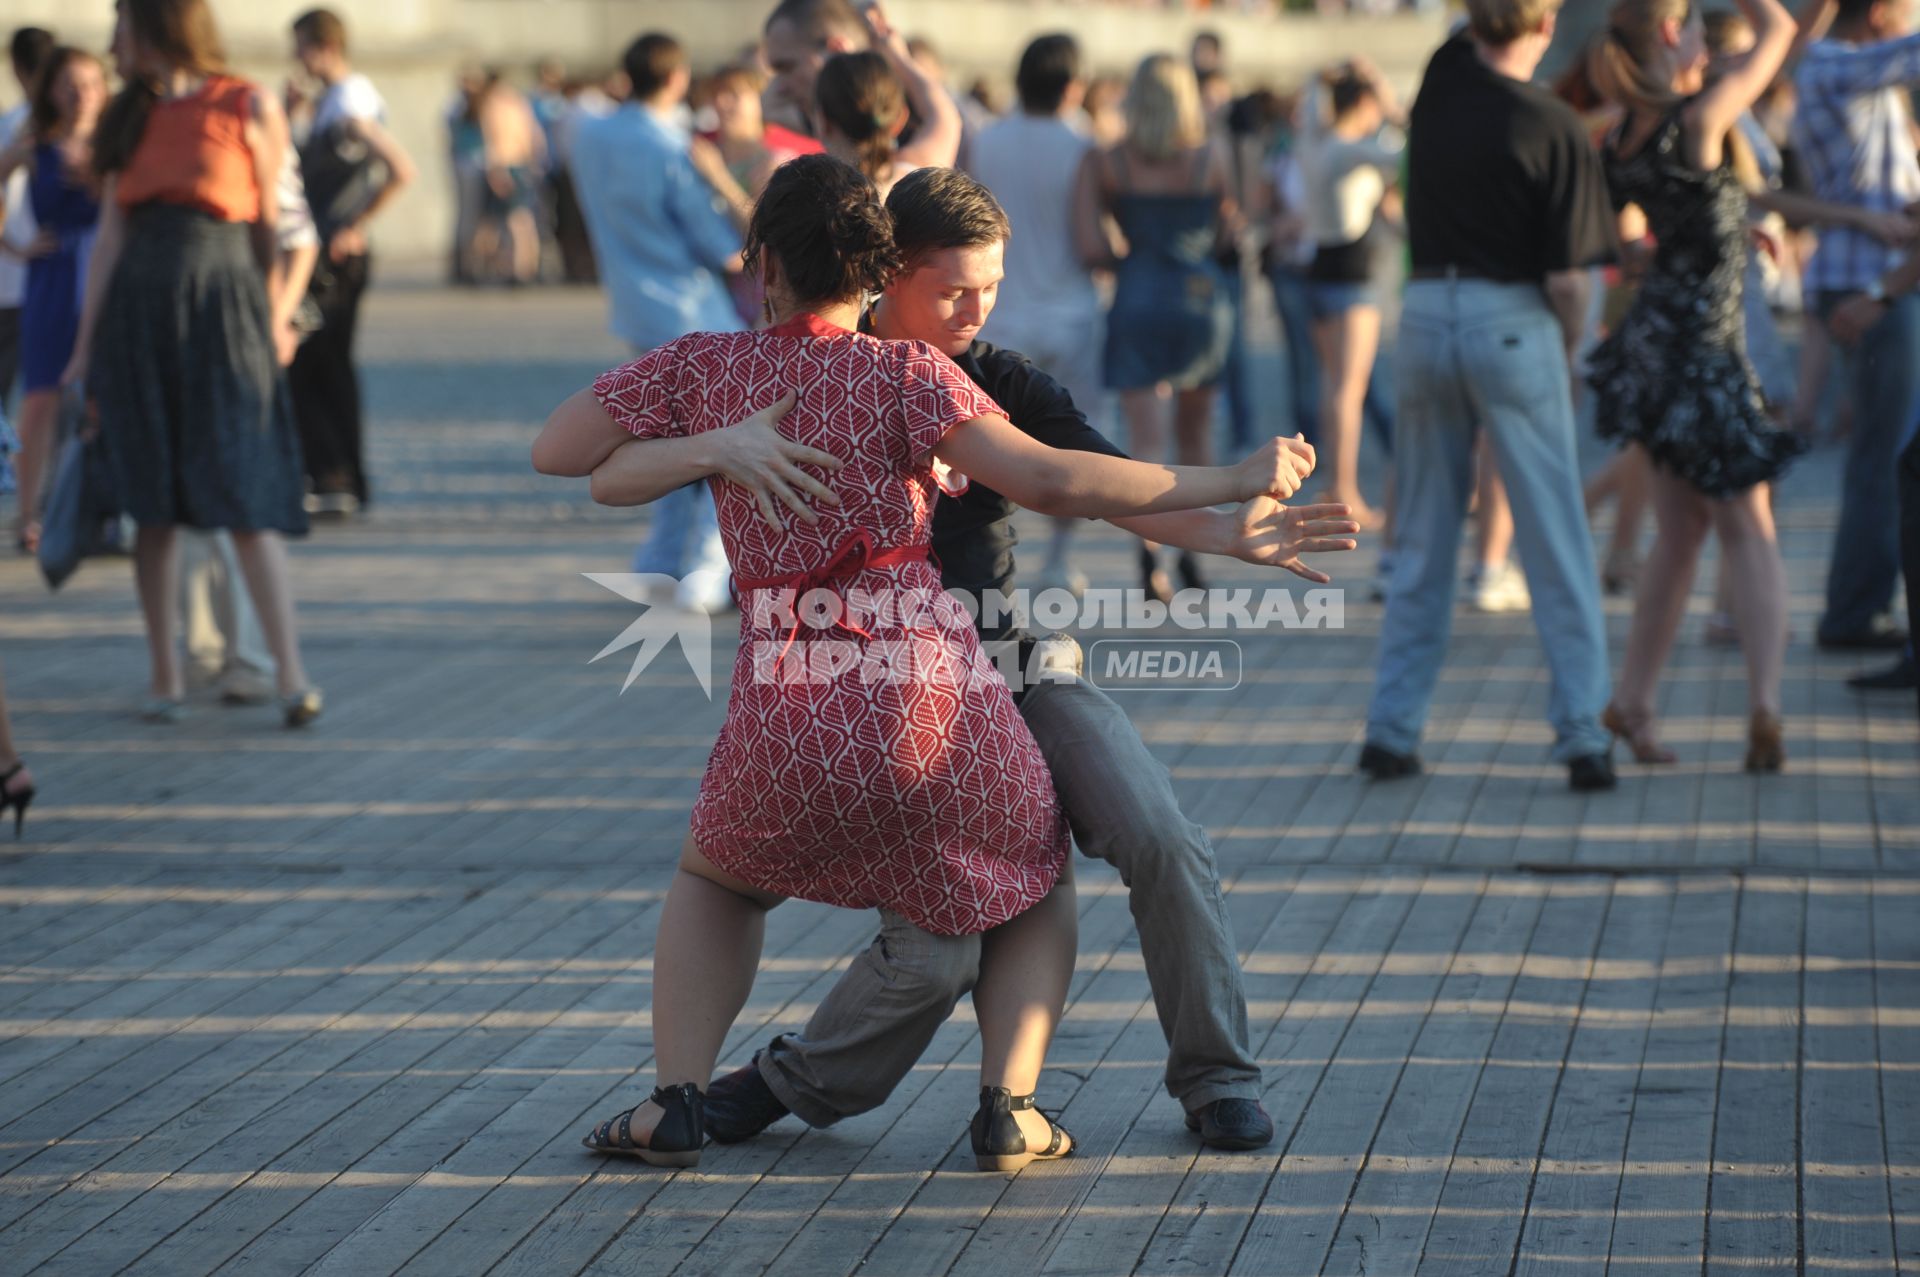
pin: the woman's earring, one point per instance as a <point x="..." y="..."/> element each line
<point x="766" y="308"/>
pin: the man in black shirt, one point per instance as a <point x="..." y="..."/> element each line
<point x="1507" y="211"/>
<point x="868" y="1032"/>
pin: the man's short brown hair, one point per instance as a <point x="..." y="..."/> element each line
<point x="936" y="208"/>
<point x="816" y="20"/>
<point x="1501" y="22"/>
<point x="321" y="28"/>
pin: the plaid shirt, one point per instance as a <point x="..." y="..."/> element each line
<point x="1855" y="130"/>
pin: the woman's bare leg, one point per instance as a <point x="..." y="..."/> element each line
<point x="1347" y="343"/>
<point x="1682" y="516"/>
<point x="1193" y="427"/>
<point x="523" y="237"/>
<point x="156" y="571"/>
<point x="263" y="562"/>
<point x="1145" y="413"/>
<point x="39" y="413"/>
<point x="1756" y="577"/>
<point x="1025" y="967"/>
<point x="705" y="956"/>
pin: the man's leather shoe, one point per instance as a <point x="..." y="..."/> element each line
<point x="1881" y="636"/>
<point x="1588" y="773"/>
<point x="1234" y="1124"/>
<point x="1902" y="676"/>
<point x="1381" y="763"/>
<point x="741" y="1105"/>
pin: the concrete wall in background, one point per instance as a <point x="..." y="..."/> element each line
<point x="412" y="48"/>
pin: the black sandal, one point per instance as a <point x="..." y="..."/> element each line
<point x="998" y="1142"/>
<point x="676" y="1141"/>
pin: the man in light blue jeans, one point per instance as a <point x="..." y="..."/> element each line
<point x="1477" y="355"/>
<point x="1884" y="372"/>
<point x="1507" y="211"/>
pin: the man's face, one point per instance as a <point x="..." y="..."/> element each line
<point x="312" y="57"/>
<point x="795" y="63"/>
<point x="947" y="297"/>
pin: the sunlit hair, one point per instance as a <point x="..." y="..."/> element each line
<point x="1164" y="117"/>
<point x="859" y="94"/>
<point x="822" y="220"/>
<point x="1633" y="69"/>
<point x="1501" y="22"/>
<point x="181" y="36"/>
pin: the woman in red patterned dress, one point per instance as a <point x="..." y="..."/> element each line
<point x="886" y="764"/>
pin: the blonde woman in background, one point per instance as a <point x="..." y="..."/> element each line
<point x="1168" y="333"/>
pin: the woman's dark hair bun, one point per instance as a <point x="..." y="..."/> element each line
<point x="823" y="221"/>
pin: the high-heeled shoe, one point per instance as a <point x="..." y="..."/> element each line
<point x="1638" y="736"/>
<point x="999" y="1143"/>
<point x="1766" y="750"/>
<point x="18" y="799"/>
<point x="676" y="1141"/>
<point x="302" y="707"/>
<point x="1153" y="578"/>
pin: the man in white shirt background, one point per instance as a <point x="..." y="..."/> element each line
<point x="1048" y="309"/>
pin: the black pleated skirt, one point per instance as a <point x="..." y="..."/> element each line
<point x="194" y="413"/>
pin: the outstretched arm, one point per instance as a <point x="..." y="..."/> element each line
<point x="1092" y="485"/>
<point x="1261" y="531"/>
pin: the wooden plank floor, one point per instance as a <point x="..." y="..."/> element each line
<point x="343" y="1001"/>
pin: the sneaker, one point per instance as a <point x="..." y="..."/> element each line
<point x="1501" y="587"/>
<point x="332" y="505"/>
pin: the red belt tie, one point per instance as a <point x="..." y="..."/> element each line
<point x="855" y="555"/>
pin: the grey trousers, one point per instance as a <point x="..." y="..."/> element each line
<point x="877" y="1021"/>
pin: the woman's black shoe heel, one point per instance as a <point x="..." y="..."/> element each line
<point x="998" y="1142"/>
<point x="19" y="800"/>
<point x="676" y="1141"/>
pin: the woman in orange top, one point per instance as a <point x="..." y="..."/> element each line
<point x="176" y="345"/>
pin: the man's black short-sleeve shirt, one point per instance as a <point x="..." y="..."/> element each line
<point x="973" y="534"/>
<point x="1502" y="180"/>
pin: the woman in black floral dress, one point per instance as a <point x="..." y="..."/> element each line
<point x="1674" y="378"/>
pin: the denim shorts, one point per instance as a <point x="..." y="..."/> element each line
<point x="1327" y="298"/>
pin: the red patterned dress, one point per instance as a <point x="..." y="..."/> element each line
<point x="922" y="794"/>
